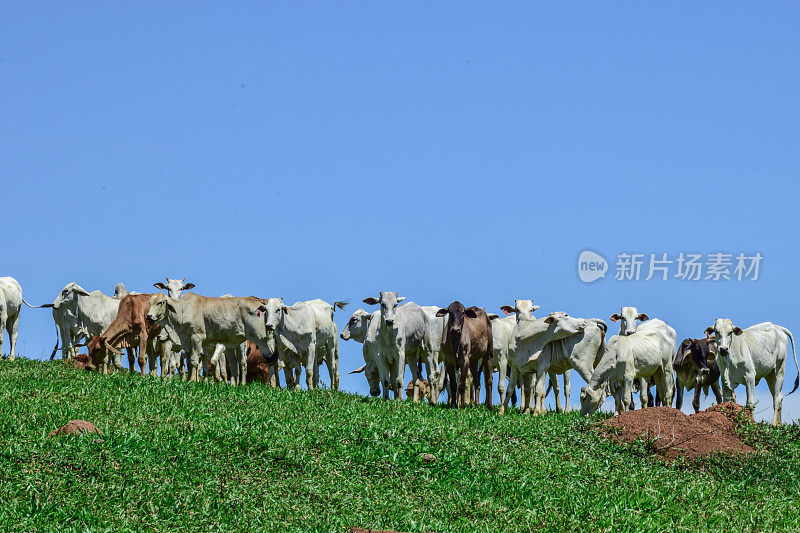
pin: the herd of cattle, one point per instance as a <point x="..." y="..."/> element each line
<point x="214" y="336"/>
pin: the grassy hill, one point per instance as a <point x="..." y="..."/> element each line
<point x="212" y="457"/>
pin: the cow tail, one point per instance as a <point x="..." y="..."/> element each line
<point x="340" y="305"/>
<point x="36" y="306"/>
<point x="55" y="349"/>
<point x="791" y="339"/>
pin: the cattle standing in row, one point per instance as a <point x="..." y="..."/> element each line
<point x="195" y="320"/>
<point x="305" y="335"/>
<point x="696" y="369"/>
<point x="582" y="351"/>
<point x="467" y="345"/>
<point x="639" y="351"/>
<point x="77" y="311"/>
<point x="404" y="335"/>
<point x="746" y="356"/>
<point x="364" y="327"/>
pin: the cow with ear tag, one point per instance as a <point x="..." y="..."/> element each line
<point x="404" y="336"/>
<point x="305" y="335"/>
<point x="467" y="346"/>
<point x="364" y="327"/>
<point x="746" y="356"/>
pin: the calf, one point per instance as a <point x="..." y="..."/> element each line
<point x="746" y="356"/>
<point x="696" y="368"/>
<point x="467" y="344"/>
<point x="128" y="329"/>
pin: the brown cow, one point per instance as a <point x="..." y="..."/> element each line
<point x="258" y="371"/>
<point x="696" y="368"/>
<point x="128" y="329"/>
<point x="467" y="345"/>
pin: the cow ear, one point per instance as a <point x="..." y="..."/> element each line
<point x="371" y="301"/>
<point x="188" y="286"/>
<point x="400" y="299"/>
<point x="643" y="317"/>
<point x="615" y="317"/>
<point x="492" y="316"/>
<point x="169" y="306"/>
<point x="160" y="285"/>
<point x="549" y="320"/>
<point x="508" y="309"/>
<point x="442" y="312"/>
<point x="471" y="313"/>
<point x="709" y="331"/>
<point x="82" y="292"/>
<point x="535" y="308"/>
<point x="737" y="330"/>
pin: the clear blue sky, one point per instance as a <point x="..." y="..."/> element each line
<point x="448" y="151"/>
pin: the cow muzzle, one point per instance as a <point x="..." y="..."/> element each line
<point x="390" y="321"/>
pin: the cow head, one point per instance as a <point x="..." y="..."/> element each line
<point x="357" y="326"/>
<point x="174" y="287"/>
<point x="455" y="313"/>
<point x="99" y="348"/>
<point x="274" y="311"/>
<point x="628" y="319"/>
<point x="160" y="306"/>
<point x="591" y="399"/>
<point x="723" y="331"/>
<point x="523" y="308"/>
<point x="564" y="325"/>
<point x="68" y="297"/>
<point x="388" y="302"/>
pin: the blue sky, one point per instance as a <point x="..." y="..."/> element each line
<point x="448" y="151"/>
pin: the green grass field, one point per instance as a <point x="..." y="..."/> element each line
<point x="210" y="457"/>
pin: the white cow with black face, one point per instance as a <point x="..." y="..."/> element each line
<point x="364" y="327"/>
<point x="645" y="352"/>
<point x="746" y="356"/>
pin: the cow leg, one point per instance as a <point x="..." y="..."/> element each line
<point x="539" y="385"/>
<point x="331" y="364"/>
<point x="12" y="325"/>
<point x="645" y="400"/>
<point x="775" y="384"/>
<point x="488" y="376"/>
<point x="401" y="370"/>
<point x="3" y="321"/>
<point x="512" y="383"/>
<point x="241" y="353"/>
<point x="475" y="368"/>
<point x="391" y="384"/>
<point x="556" y="391"/>
<point x="194" y="355"/>
<point x="501" y="359"/>
<point x="311" y="365"/>
<point x="131" y="359"/>
<point x="432" y="370"/>
<point x="462" y="383"/>
<point x="750" y="387"/>
<point x="717" y="392"/>
<point x="567" y="389"/>
<point x="416" y="378"/>
<point x="528" y="392"/>
<point x="333" y="351"/>
<point x="627" y="397"/>
<point x="298" y="372"/>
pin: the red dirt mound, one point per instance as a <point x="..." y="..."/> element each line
<point x="731" y="410"/>
<point x="76" y="427"/>
<point x="675" y="434"/>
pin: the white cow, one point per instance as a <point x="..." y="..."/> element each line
<point x="639" y="352"/>
<point x="746" y="356"/>
<point x="530" y="336"/>
<point x="364" y="327"/>
<point x="11" y="301"/>
<point x="306" y="335"/>
<point x="581" y="351"/>
<point x="405" y="335"/>
<point x="78" y="312"/>
<point x="502" y="332"/>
